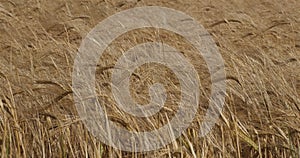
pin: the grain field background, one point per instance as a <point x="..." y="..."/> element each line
<point x="259" y="41"/>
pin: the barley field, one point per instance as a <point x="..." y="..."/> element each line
<point x="258" y="40"/>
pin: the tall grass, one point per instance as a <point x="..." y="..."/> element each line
<point x="261" y="116"/>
